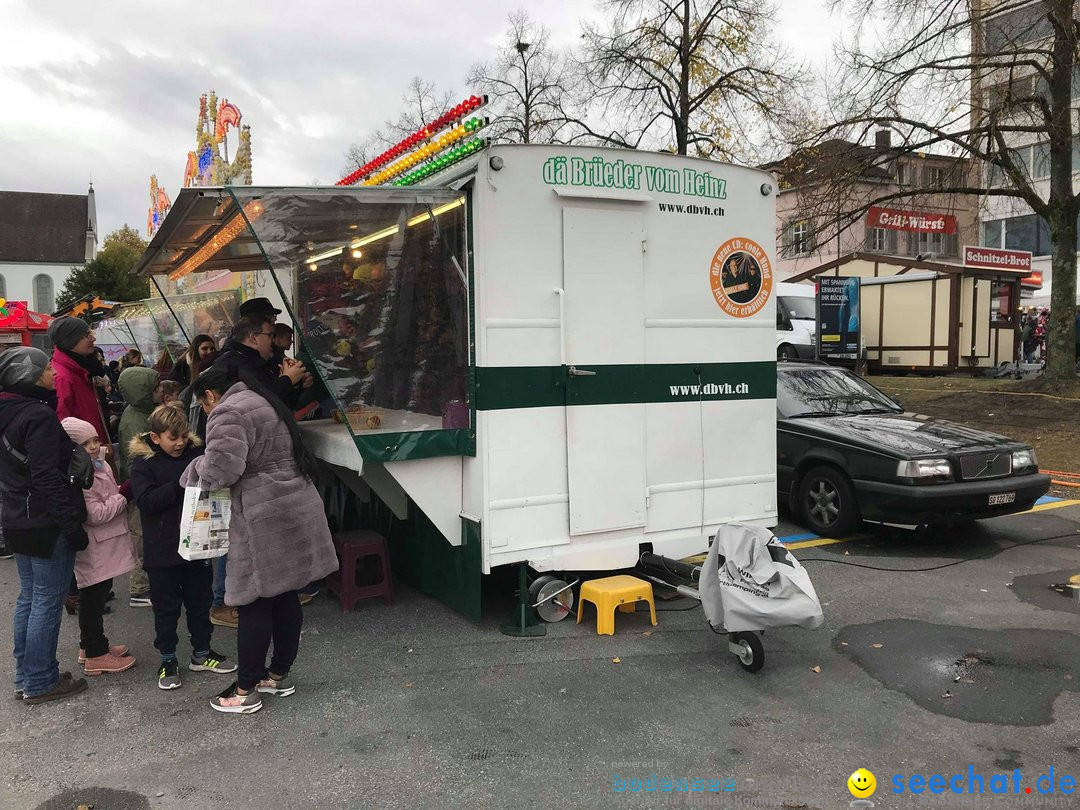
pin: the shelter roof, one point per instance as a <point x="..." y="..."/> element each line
<point x="907" y="264"/>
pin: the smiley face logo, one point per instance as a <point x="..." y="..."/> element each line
<point x="862" y="784"/>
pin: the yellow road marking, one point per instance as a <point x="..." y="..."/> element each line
<point x="698" y="559"/>
<point x="820" y="541"/>
<point x="1042" y="507"/>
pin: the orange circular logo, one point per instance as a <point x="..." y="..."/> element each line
<point x="741" y="277"/>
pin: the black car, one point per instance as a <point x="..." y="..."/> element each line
<point x="847" y="452"/>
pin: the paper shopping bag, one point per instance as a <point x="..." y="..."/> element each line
<point x="204" y="523"/>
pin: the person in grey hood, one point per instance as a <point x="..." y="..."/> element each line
<point x="43" y="515"/>
<point x="139" y="387"/>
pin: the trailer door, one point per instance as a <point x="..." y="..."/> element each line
<point x="605" y="355"/>
<point x="974" y="317"/>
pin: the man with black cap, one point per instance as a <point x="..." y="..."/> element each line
<point x="76" y="366"/>
<point x="260" y="307"/>
<point x="245" y="349"/>
<point x="43" y="515"/>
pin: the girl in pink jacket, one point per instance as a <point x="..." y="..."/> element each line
<point x="108" y="555"/>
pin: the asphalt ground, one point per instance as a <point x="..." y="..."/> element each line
<point x="974" y="665"/>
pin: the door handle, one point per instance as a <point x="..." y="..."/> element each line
<point x="580" y="372"/>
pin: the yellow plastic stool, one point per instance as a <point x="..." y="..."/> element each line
<point x="609" y="593"/>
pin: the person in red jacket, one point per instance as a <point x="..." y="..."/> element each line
<point x="75" y="366"/>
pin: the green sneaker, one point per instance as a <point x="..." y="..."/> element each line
<point x="212" y="662"/>
<point x="169" y="675"/>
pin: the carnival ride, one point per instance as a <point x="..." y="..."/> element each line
<point x="205" y="165"/>
<point x="159" y="207"/>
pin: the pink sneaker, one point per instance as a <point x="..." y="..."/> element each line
<point x="108" y="663"/>
<point x="119" y="650"/>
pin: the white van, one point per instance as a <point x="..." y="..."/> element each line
<point x="796" y="322"/>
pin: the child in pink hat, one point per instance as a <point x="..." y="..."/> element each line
<point x="109" y="554"/>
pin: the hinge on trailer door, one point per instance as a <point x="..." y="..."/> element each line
<point x="644" y="245"/>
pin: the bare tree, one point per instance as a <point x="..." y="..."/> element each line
<point x="359" y="153"/>
<point x="526" y="84"/>
<point x="990" y="80"/>
<point x="421" y="102"/>
<point x="696" y="77"/>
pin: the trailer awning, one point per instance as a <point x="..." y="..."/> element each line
<point x="204" y="231"/>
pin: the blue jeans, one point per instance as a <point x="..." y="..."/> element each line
<point x="43" y="583"/>
<point x="219" y="580"/>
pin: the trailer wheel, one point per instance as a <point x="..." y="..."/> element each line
<point x="553" y="609"/>
<point x="826" y="502"/>
<point x="751" y="653"/>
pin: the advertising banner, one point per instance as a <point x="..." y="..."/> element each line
<point x="838" y="317"/>
<point x="894" y="219"/>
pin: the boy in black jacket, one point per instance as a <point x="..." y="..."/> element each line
<point x="159" y="458"/>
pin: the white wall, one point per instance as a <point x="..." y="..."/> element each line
<point x="19" y="282"/>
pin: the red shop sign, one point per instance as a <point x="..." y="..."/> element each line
<point x="998" y="259"/>
<point x="894" y="219"/>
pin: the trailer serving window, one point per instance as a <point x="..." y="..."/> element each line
<point x="133" y="326"/>
<point x="156" y="325"/>
<point x="379" y="290"/>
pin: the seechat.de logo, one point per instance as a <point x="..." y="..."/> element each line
<point x="862" y="785"/>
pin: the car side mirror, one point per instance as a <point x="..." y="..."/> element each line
<point x="782" y="321"/>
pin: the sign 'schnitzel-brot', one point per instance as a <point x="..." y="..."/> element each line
<point x="619" y="174"/>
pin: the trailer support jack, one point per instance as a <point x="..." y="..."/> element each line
<point x="524" y="621"/>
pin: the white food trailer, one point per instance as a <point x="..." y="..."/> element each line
<point x="597" y="374"/>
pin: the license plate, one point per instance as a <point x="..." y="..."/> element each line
<point x="1003" y="497"/>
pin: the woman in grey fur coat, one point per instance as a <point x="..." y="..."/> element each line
<point x="278" y="537"/>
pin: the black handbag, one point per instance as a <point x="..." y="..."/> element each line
<point x="80" y="472"/>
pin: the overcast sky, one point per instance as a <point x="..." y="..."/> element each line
<point x="109" y="90"/>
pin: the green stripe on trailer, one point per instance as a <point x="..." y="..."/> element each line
<point x="503" y="388"/>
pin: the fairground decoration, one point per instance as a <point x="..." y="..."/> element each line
<point x="423" y="147"/>
<point x="443" y="161"/>
<point x="205" y="165"/>
<point x="12" y="314"/>
<point x="159" y="207"/>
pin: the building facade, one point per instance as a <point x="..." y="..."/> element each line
<point x="1000" y="95"/>
<point x="842" y="197"/>
<point x="43" y="237"/>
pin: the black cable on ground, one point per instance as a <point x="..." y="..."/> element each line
<point x="985" y="556"/>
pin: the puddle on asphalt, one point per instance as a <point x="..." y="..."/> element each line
<point x="1036" y="590"/>
<point x="1005" y="677"/>
<point x="97" y="797"/>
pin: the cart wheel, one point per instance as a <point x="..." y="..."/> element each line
<point x="557" y="608"/>
<point x="752" y="654"/>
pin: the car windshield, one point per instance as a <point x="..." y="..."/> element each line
<point x="825" y="391"/>
<point x="798" y="307"/>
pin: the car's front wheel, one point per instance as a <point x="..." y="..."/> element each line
<point x="827" y="502"/>
<point x="786" y="352"/>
